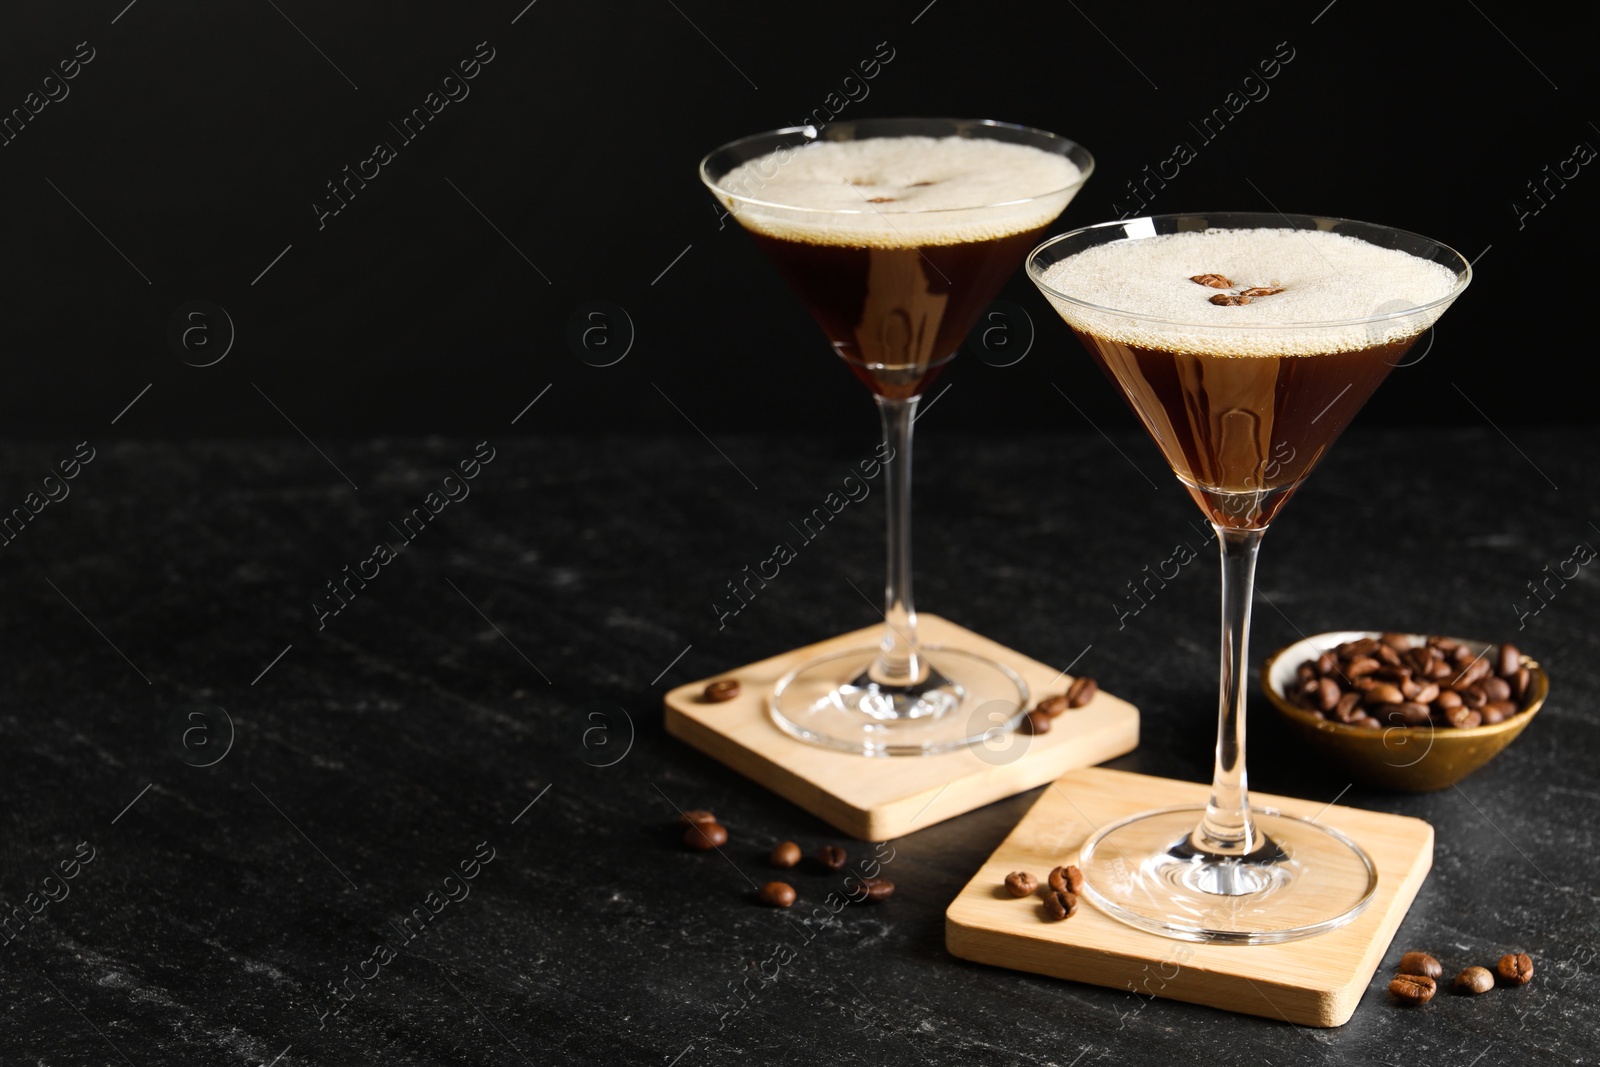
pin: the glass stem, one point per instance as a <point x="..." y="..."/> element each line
<point x="899" y="661"/>
<point x="1227" y="829"/>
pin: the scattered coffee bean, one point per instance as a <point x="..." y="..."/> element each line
<point x="1035" y="722"/>
<point x="1067" y="879"/>
<point x="721" y="690"/>
<point x="694" y="817"/>
<point x="1021" y="883"/>
<point x="1412" y="988"/>
<point x="1395" y="681"/>
<point x="1081" y="691"/>
<point x="704" y="836"/>
<point x="1474" y="980"/>
<point x="832" y="857"/>
<point x="786" y="854"/>
<point x="1215" y="281"/>
<point x="777" y="894"/>
<point x="1515" y="968"/>
<point x="878" y="889"/>
<point x="1420" y="963"/>
<point x="1052" y="706"/>
<point x="1059" y="905"/>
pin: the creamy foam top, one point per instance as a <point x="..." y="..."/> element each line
<point x="901" y="191"/>
<point x="1326" y="277"/>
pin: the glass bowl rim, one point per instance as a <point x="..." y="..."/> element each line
<point x="813" y="133"/>
<point x="1036" y="272"/>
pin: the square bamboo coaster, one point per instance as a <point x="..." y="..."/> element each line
<point x="1314" y="982"/>
<point x="878" y="799"/>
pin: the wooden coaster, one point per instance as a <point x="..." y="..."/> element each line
<point x="878" y="799"/>
<point x="1315" y="982"/>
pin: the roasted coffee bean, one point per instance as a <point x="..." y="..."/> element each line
<point x="1410" y="714"/>
<point x="1081" y="691"/>
<point x="1463" y="718"/>
<point x="721" y="690"/>
<point x="1496" y="689"/>
<point x="1328" y="694"/>
<point x="1515" y="968"/>
<point x="1510" y="660"/>
<point x="785" y="855"/>
<point x="1347" y="708"/>
<point x="1474" y="698"/>
<point x="1059" y="905"/>
<point x="1361" y="666"/>
<point x="695" y="817"/>
<point x="878" y="889"/>
<point x="1420" y="963"/>
<point x="1067" y="879"/>
<point x="1412" y="989"/>
<point x="1398" y="642"/>
<point x="1021" y="883"/>
<point x="1327" y="663"/>
<point x="704" y="836"/>
<point x="1384" y="693"/>
<point x="832" y="857"/>
<point x="1426" y="694"/>
<point x="1444" y="644"/>
<point x="1519" y="682"/>
<point x="1474" y="980"/>
<point x="1497" y="711"/>
<point x="1471" y="675"/>
<point x="777" y="894"/>
<point x="1305" y="671"/>
<point x="1447" y="699"/>
<point x="1035" y="722"/>
<point x="1053" y="706"/>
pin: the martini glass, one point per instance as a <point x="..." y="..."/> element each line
<point x="896" y="234"/>
<point x="1245" y="343"/>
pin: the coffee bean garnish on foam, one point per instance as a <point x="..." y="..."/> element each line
<point x="1243" y="296"/>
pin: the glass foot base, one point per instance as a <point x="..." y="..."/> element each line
<point x="1303" y="880"/>
<point x="830" y="701"/>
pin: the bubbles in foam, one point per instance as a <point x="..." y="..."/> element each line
<point x="900" y="191"/>
<point x="1326" y="278"/>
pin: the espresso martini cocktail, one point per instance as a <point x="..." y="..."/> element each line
<point x="1244" y="400"/>
<point x="1245" y="343"/>
<point x="896" y="234"/>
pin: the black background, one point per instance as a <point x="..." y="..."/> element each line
<point x="201" y="135"/>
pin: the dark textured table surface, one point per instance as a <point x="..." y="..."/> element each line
<point x="268" y="798"/>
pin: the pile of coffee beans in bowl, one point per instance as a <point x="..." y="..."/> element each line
<point x="1397" y="680"/>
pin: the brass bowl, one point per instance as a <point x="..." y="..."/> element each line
<point x="1412" y="759"/>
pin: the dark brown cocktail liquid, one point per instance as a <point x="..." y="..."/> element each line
<point x="897" y="315"/>
<point x="1242" y="432"/>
